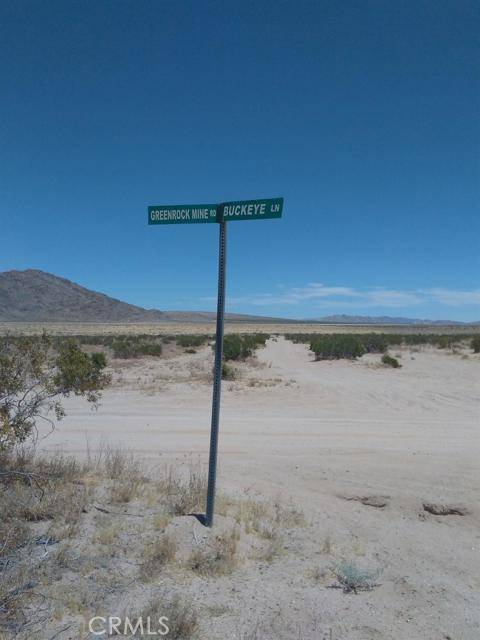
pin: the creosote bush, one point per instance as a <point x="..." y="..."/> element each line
<point x="390" y="361"/>
<point x="192" y="340"/>
<point x="135" y="347"/>
<point x="35" y="375"/>
<point x="332" y="346"/>
<point x="239" y="347"/>
<point x="475" y="344"/>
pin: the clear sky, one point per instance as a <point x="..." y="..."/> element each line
<point x="363" y="115"/>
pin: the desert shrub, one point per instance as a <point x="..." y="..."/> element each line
<point x="192" y="340"/>
<point x="475" y="344"/>
<point x="447" y="341"/>
<point x="232" y="347"/>
<point x="218" y="557"/>
<point x="155" y="556"/>
<point x="180" y="613"/>
<point x="34" y="379"/>
<point x="228" y="372"/>
<point x="238" y="347"/>
<point x="390" y="361"/>
<point x="99" y="359"/>
<point x="149" y="349"/>
<point x="136" y="347"/>
<point x="335" y="346"/>
<point x="352" y="578"/>
<point x="183" y="495"/>
<point x="375" y="342"/>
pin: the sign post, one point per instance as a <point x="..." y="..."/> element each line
<point x="222" y="213"/>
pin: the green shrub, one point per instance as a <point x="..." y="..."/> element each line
<point x="99" y="359"/>
<point x="232" y="347"/>
<point x="149" y="349"/>
<point x="191" y="341"/>
<point x="33" y="381"/>
<point x="239" y="347"/>
<point x="475" y="344"/>
<point x="390" y="361"/>
<point x="134" y="348"/>
<point x="375" y="342"/>
<point x="335" y="346"/>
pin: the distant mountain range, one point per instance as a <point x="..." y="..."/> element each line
<point x="346" y="319"/>
<point x="37" y="296"/>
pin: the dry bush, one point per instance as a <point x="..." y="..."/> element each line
<point x="161" y="520"/>
<point x="119" y="462"/>
<point x="180" y="611"/>
<point x="123" y="491"/>
<point x="327" y="546"/>
<point x="15" y="594"/>
<point x="253" y="514"/>
<point x="264" y="518"/>
<point x="183" y="495"/>
<point x="289" y="516"/>
<point x="106" y="533"/>
<point x="217" y="557"/>
<point x="272" y="549"/>
<point x="155" y="556"/>
<point x="319" y="574"/>
<point x="14" y="533"/>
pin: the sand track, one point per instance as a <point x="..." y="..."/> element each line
<point x="325" y="431"/>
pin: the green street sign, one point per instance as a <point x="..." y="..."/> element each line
<point x="182" y="213"/>
<point x="226" y="211"/>
<point x="220" y="213"/>
<point x="251" y="209"/>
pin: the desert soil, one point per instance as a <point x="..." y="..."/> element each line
<point x="358" y="447"/>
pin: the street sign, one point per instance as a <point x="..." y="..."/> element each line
<point x="228" y="211"/>
<point x="251" y="209"/>
<point x="182" y="213"/>
<point x="221" y="213"/>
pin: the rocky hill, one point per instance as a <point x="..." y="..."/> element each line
<point x="36" y="296"/>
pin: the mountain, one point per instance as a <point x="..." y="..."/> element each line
<point x="36" y="296"/>
<point x="346" y="319"/>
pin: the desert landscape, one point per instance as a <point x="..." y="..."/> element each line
<point x="347" y="500"/>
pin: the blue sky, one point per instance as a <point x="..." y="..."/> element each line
<point x="362" y="115"/>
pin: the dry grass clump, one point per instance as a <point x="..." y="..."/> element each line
<point x="178" y="614"/>
<point x="161" y="520"/>
<point x="183" y="496"/>
<point x="155" y="556"/>
<point x="217" y="557"/>
<point x="272" y="549"/>
<point x="125" y="490"/>
<point x="107" y="533"/>
<point x="264" y="517"/>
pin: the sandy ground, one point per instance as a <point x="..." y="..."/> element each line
<point x="318" y="434"/>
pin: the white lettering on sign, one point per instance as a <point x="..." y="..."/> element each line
<point x="200" y="214"/>
<point x="171" y="214"/>
<point x="253" y="209"/>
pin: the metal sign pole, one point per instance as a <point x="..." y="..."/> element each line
<point x="217" y="377"/>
